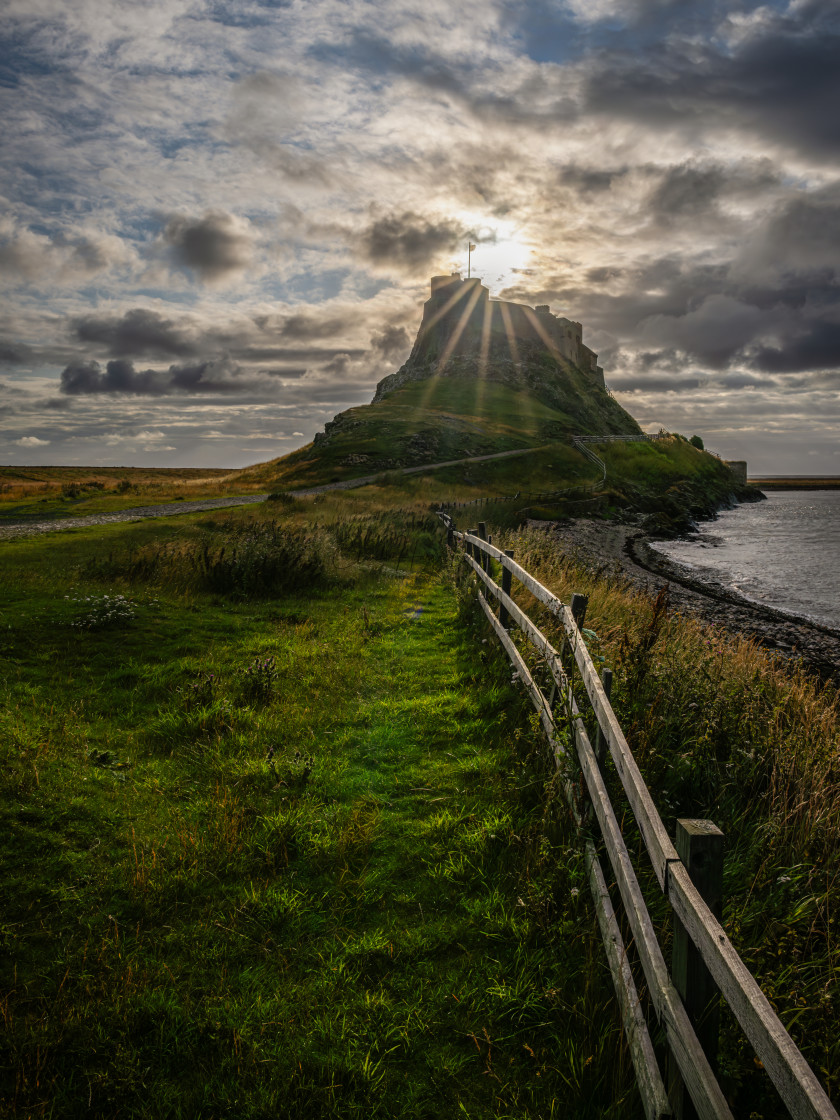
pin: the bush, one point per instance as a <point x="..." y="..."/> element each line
<point x="697" y="442"/>
<point x="251" y="560"/>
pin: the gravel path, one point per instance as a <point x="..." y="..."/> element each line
<point x="609" y="546"/>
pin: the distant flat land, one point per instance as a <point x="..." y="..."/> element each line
<point x="50" y="492"/>
<point x="796" y="482"/>
<point x="35" y="477"/>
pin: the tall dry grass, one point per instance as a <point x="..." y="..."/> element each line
<point x="724" y="730"/>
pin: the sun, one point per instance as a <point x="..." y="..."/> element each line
<point x="500" y="251"/>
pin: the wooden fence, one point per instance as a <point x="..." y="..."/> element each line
<point x="704" y="961"/>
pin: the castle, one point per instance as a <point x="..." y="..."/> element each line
<point x="453" y="300"/>
<point x="461" y="321"/>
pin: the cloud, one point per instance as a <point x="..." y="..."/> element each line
<point x="409" y="242"/>
<point x="58" y="255"/>
<point x="716" y="330"/>
<point x="13" y="353"/>
<point x="391" y="342"/>
<point x="216" y="247"/>
<point x="338" y="367"/>
<point x="662" y="171"/>
<point x="120" y="378"/>
<point x="775" y="77"/>
<point x="799" y="235"/>
<point x="31" y="441"/>
<point x="136" y="333"/>
<point x="814" y="348"/>
<point x="305" y="328"/>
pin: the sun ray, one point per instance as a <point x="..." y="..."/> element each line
<point x="455" y="337"/>
<point x="511" y="337"/>
<point x="550" y="345"/>
<point x="474" y="293"/>
<point x="427" y="326"/>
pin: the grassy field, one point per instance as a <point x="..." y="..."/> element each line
<point x="279" y="838"/>
<point x="279" y="835"/>
<point x="44" y="493"/>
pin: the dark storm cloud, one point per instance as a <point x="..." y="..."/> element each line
<point x="409" y="241"/>
<point x="120" y="378"/>
<point x="714" y="332"/>
<point x="778" y="78"/>
<point x="339" y="366"/>
<point x="588" y="180"/>
<point x="303" y="328"/>
<point x="687" y="191"/>
<point x="390" y="342"/>
<point x="816" y="348"/>
<point x="13" y="353"/>
<point x="641" y="383"/>
<point x="799" y="236"/>
<point x="214" y="247"/>
<point x="268" y="353"/>
<point x="137" y="333"/>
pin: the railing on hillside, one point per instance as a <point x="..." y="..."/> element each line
<point x="640" y="437"/>
<point x="697" y="929"/>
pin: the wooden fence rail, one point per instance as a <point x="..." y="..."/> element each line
<point x="790" y="1073"/>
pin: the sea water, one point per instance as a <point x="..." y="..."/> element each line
<point x="784" y="552"/>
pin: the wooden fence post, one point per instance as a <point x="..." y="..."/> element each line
<point x="699" y="845"/>
<point x="600" y="741"/>
<point x="504" y="617"/>
<point x="483" y="558"/>
<point x="578" y="607"/>
<point x="470" y="548"/>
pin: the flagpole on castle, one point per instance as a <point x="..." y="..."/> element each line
<point x="470" y="248"/>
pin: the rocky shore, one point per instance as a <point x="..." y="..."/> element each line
<point x="612" y="547"/>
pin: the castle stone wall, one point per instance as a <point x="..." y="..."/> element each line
<point x="460" y="317"/>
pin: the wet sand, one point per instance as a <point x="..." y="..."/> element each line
<point x="610" y="547"/>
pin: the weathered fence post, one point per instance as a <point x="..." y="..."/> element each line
<point x="578" y="607"/>
<point x="504" y="617"/>
<point x="483" y="558"/>
<point x="699" y="845"/>
<point x="600" y="741"/>
<point x="470" y="547"/>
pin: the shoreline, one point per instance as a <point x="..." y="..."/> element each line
<point x="611" y="546"/>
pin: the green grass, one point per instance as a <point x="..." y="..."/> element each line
<point x="276" y="852"/>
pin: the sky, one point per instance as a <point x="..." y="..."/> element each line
<point x="218" y="218"/>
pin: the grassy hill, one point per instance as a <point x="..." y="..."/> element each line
<point x="445" y="418"/>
